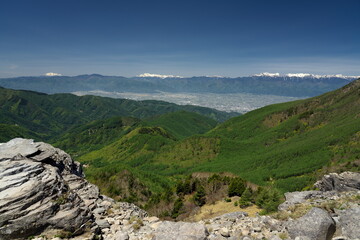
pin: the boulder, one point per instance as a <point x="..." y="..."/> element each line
<point x="316" y="224"/>
<point x="346" y="181"/>
<point x="349" y="222"/>
<point x="224" y="232"/>
<point x="34" y="193"/>
<point x="121" y="236"/>
<point x="180" y="231"/>
<point x="293" y="198"/>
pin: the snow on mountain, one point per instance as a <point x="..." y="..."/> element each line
<point x="266" y="74"/>
<point x="158" y="75"/>
<point x="51" y="74"/>
<point x="304" y="75"/>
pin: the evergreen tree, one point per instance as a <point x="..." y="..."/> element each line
<point x="236" y="187"/>
<point x="245" y="199"/>
<point x="177" y="207"/>
<point x="199" y="197"/>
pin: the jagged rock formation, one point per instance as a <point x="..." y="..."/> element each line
<point x="346" y="181"/>
<point x="33" y="194"/>
<point x="42" y="188"/>
<point x="43" y="192"/>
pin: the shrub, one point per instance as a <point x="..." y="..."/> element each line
<point x="245" y="199"/>
<point x="199" y="197"/>
<point x="177" y="207"/>
<point x="236" y="187"/>
<point x="268" y="199"/>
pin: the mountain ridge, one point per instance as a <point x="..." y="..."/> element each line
<point x="305" y="86"/>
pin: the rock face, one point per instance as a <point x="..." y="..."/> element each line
<point x="34" y="193"/>
<point x="316" y="224"/>
<point x="349" y="223"/>
<point x="346" y="181"/>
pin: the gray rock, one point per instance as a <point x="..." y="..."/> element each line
<point x="216" y="237"/>
<point x="349" y="222"/>
<point x="302" y="238"/>
<point x="340" y="238"/>
<point x="346" y="181"/>
<point x="17" y="146"/>
<point x="180" y="231"/>
<point x="276" y="237"/>
<point x="246" y="238"/>
<point x="293" y="198"/>
<point x="121" y="236"/>
<point x="34" y="193"/>
<point x="316" y="224"/>
<point x="234" y="216"/>
<point x="102" y="223"/>
<point x="98" y="211"/>
<point x="224" y="232"/>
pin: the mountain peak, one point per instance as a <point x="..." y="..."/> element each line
<point x="267" y="74"/>
<point x="52" y="74"/>
<point x="158" y="75"/>
<point x="304" y="75"/>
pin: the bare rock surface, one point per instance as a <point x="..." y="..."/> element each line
<point x="316" y="224"/>
<point x="33" y="192"/>
<point x="180" y="231"/>
<point x="346" y="181"/>
<point x="293" y="198"/>
<point x="349" y="223"/>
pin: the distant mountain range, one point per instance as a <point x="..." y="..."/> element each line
<point x="294" y="85"/>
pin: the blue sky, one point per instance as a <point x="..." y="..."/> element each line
<point x="228" y="38"/>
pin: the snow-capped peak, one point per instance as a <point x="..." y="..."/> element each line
<point x="266" y="74"/>
<point x="52" y="74"/>
<point x="299" y="75"/>
<point x="158" y="75"/>
<point x="304" y="75"/>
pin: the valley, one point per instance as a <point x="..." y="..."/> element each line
<point x="227" y="102"/>
<point x="141" y="151"/>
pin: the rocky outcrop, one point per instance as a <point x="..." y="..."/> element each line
<point x="43" y="192"/>
<point x="346" y="181"/>
<point x="293" y="198"/>
<point x="316" y="224"/>
<point x="33" y="192"/>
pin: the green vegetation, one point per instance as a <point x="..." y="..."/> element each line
<point x="236" y="187"/>
<point x="281" y="147"/>
<point x="246" y="198"/>
<point x="8" y="131"/>
<point x="183" y="124"/>
<point x="50" y="115"/>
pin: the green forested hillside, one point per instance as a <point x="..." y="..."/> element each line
<point x="50" y="115"/>
<point x="183" y="124"/>
<point x="99" y="133"/>
<point x="8" y="131"/>
<point x="284" y="145"/>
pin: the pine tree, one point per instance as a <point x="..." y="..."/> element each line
<point x="199" y="197"/>
<point x="245" y="199"/>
